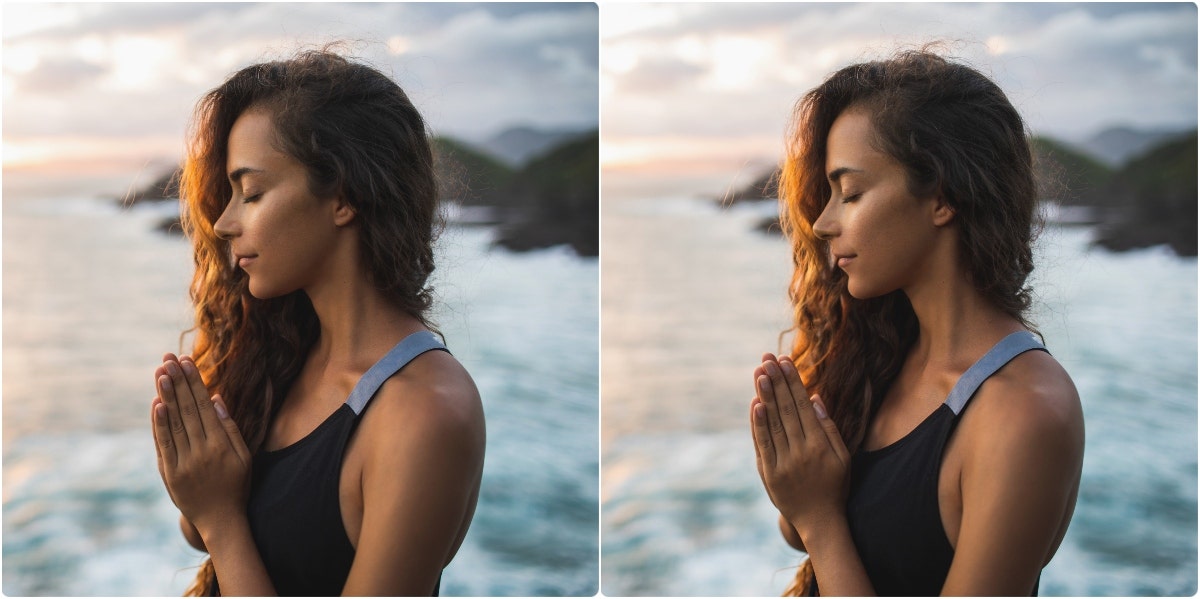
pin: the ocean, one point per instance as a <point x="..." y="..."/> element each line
<point x="691" y="298"/>
<point x="93" y="297"/>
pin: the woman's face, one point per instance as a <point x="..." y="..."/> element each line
<point x="878" y="232"/>
<point x="278" y="231"/>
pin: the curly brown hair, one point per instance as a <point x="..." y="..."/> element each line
<point x="358" y="135"/>
<point x="955" y="132"/>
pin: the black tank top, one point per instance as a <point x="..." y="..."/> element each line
<point x="294" y="511"/>
<point x="892" y="508"/>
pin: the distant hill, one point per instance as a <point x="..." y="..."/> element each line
<point x="556" y="199"/>
<point x="165" y="187"/>
<point x="552" y="200"/>
<point x="1150" y="200"/>
<point x="1069" y="176"/>
<point x="516" y="145"/>
<point x="1116" y="145"/>
<point x="467" y="175"/>
<point x="1155" y="199"/>
<point x="765" y="187"/>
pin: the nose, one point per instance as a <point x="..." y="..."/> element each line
<point x="826" y="226"/>
<point x="227" y="226"/>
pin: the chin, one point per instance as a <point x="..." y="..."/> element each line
<point x="859" y="291"/>
<point x="264" y="292"/>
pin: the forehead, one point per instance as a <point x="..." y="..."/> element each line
<point x="849" y="140"/>
<point x="251" y="141"/>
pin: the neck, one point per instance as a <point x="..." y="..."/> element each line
<point x="956" y="323"/>
<point x="357" y="322"/>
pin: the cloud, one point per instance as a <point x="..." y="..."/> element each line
<point x="657" y="74"/>
<point x="59" y="75"/>
<point x="135" y="70"/>
<point x="701" y="71"/>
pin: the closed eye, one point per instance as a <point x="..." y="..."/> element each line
<point x="851" y="198"/>
<point x="251" y="198"/>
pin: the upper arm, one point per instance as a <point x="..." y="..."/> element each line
<point x="421" y="473"/>
<point x="1020" y="475"/>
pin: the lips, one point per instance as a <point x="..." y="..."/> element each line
<point x="243" y="260"/>
<point x="843" y="259"/>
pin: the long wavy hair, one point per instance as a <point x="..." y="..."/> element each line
<point x="358" y="135"/>
<point x="955" y="132"/>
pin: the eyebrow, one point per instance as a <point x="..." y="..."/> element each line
<point x="837" y="173"/>
<point x="236" y="176"/>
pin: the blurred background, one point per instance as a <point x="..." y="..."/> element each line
<point x="694" y="101"/>
<point x="96" y="102"/>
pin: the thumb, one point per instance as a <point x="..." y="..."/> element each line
<point x="231" y="429"/>
<point x="831" y="432"/>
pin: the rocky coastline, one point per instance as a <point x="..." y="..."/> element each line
<point x="1148" y="199"/>
<point x="551" y="197"/>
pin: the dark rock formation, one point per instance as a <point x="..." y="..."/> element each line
<point x="1156" y="199"/>
<point x="556" y="200"/>
<point x="165" y="187"/>
<point x="1151" y="200"/>
<point x="765" y="187"/>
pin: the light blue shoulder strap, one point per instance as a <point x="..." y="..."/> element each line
<point x="1000" y="354"/>
<point x="404" y="352"/>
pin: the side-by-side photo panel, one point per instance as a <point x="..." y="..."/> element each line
<point x="301" y="299"/>
<point x="898" y="299"/>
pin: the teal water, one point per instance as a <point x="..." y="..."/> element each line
<point x="692" y="296"/>
<point x="93" y="297"/>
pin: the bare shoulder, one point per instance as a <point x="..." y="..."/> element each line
<point x="1031" y="401"/>
<point x="432" y="401"/>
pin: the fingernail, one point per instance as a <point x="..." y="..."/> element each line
<point x="220" y="409"/>
<point x="760" y="411"/>
<point x="764" y="383"/>
<point x="172" y="369"/>
<point x="164" y="382"/>
<point x="771" y="368"/>
<point x="818" y="409"/>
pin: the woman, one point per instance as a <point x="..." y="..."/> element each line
<point x="317" y="442"/>
<point x="914" y="444"/>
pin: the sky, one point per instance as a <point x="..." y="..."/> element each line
<point x="705" y="90"/>
<point x="101" y="87"/>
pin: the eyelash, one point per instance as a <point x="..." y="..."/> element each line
<point x="851" y="198"/>
<point x="248" y="199"/>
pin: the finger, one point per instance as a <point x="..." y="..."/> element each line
<point x="231" y="429"/>
<point x="178" y="432"/>
<point x="807" y="417"/>
<point x="792" y="375"/>
<point x="154" y="403"/>
<point x="786" y="404"/>
<point x="762" y="439"/>
<point x="189" y="412"/>
<point x="164" y="438"/>
<point x="766" y="394"/>
<point x="754" y="403"/>
<point x="831" y="431"/>
<point x="758" y="370"/>
<point x="204" y="405"/>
